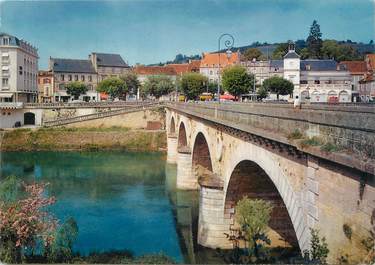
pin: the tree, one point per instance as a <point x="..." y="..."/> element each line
<point x="318" y="252"/>
<point x="236" y="80"/>
<point x="193" y="84"/>
<point x="304" y="53"/>
<point x="280" y="51"/>
<point x="113" y="86"/>
<point x="253" y="216"/>
<point x="262" y="92"/>
<point x="331" y="49"/>
<point x="252" y="53"/>
<point x="278" y="85"/>
<point x="76" y="89"/>
<point x="131" y="82"/>
<point x="314" y="40"/>
<point x="158" y="85"/>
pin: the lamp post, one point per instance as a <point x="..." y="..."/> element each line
<point x="228" y="43"/>
<point x="254" y="61"/>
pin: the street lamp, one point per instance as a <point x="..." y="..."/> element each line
<point x="254" y="61"/>
<point x="228" y="43"/>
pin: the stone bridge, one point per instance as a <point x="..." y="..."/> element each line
<point x="314" y="164"/>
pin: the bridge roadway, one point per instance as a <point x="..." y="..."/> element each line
<point x="231" y="150"/>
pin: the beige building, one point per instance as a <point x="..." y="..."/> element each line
<point x="213" y="63"/>
<point x="45" y="87"/>
<point x="19" y="70"/>
<point x="108" y="65"/>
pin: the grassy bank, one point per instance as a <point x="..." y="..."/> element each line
<point x="88" y="139"/>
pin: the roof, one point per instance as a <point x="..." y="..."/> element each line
<point x="180" y="68"/>
<point x="355" y="67"/>
<point x="154" y="70"/>
<point x="109" y="59"/>
<point x="44" y="73"/>
<point x="319" y="65"/>
<point x="291" y="55"/>
<point x="212" y="59"/>
<point x="71" y="66"/>
<point x="277" y="64"/>
<point x="194" y="64"/>
<point x="371" y="60"/>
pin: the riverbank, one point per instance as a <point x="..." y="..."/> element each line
<point x="83" y="139"/>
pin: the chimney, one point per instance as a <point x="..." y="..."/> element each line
<point x="291" y="46"/>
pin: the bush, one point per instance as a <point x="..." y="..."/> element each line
<point x="330" y="147"/>
<point x="318" y="252"/>
<point x="296" y="134"/>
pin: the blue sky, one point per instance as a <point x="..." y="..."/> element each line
<point x="145" y="31"/>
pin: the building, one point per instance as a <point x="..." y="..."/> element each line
<point x="313" y="80"/>
<point x="212" y="62"/>
<point x="191" y="67"/>
<point x="65" y="71"/>
<point x="367" y="83"/>
<point x="357" y="70"/>
<point x="108" y="65"/>
<point x="144" y="72"/>
<point x="19" y="70"/>
<point x="45" y="87"/>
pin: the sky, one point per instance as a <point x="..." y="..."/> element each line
<point x="152" y="31"/>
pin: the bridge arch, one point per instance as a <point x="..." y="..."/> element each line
<point x="243" y="166"/>
<point x="182" y="136"/>
<point x="249" y="179"/>
<point x="201" y="153"/>
<point x="172" y="126"/>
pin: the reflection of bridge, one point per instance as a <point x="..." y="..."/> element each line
<point x="233" y="150"/>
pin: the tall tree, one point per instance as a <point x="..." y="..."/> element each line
<point x="158" y="86"/>
<point x="280" y="51"/>
<point x="278" y="85"/>
<point x="131" y="81"/>
<point x="236" y="80"/>
<point x="314" y="40"/>
<point x="114" y="86"/>
<point x="252" y="53"/>
<point x="193" y="84"/>
<point x="76" y="89"/>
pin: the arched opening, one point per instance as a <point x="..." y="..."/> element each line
<point x="172" y="128"/>
<point x="201" y="153"/>
<point x="29" y="118"/>
<point x="344" y="96"/>
<point x="182" y="139"/>
<point x="249" y="179"/>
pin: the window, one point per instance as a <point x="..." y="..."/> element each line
<point x="5" y="70"/>
<point x="20" y="70"/>
<point x="5" y="81"/>
<point x="90" y="78"/>
<point x="211" y="72"/>
<point x="46" y="81"/>
<point x="76" y="77"/>
<point x="62" y="77"/>
<point x="303" y="82"/>
<point x="5" y="41"/>
<point x="61" y="86"/>
<point x="82" y="78"/>
<point x="317" y="82"/>
<point x="70" y="77"/>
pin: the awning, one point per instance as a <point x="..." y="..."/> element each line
<point x="6" y="95"/>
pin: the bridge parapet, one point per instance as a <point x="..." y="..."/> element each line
<point x="350" y="128"/>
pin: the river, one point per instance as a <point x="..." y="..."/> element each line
<point x="120" y="200"/>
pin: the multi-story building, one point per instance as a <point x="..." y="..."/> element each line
<point x="45" y="87"/>
<point x="143" y="72"/>
<point x="108" y="65"/>
<point x="212" y="62"/>
<point x="367" y="84"/>
<point x="19" y="70"/>
<point x="313" y="80"/>
<point x="66" y="71"/>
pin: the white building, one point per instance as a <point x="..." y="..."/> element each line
<point x="19" y="70"/>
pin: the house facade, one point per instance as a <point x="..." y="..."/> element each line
<point x="367" y="83"/>
<point x="108" y="65"/>
<point x="66" y="71"/>
<point x="19" y="70"/>
<point x="45" y="87"/>
<point x="213" y="63"/>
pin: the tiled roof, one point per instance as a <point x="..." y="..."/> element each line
<point x="179" y="68"/>
<point x="71" y="66"/>
<point x="371" y="58"/>
<point x="319" y="65"/>
<point x="154" y="70"/>
<point x="277" y="63"/>
<point x="212" y="59"/>
<point x="194" y="65"/>
<point x="355" y="67"/>
<point x="111" y="60"/>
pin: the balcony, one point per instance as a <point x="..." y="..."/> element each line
<point x="11" y="105"/>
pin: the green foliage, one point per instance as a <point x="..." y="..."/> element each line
<point x="347" y="231"/>
<point x="113" y="86"/>
<point x="252" y="53"/>
<point x="193" y="84"/>
<point x="331" y="49"/>
<point x="304" y="53"/>
<point x="154" y="259"/>
<point x="278" y="85"/>
<point x="61" y="249"/>
<point x="262" y="92"/>
<point x="280" y="51"/>
<point x="236" y="80"/>
<point x="109" y="257"/>
<point x="10" y="190"/>
<point x="76" y="89"/>
<point x="330" y="147"/>
<point x="253" y="217"/>
<point x="296" y="134"/>
<point x="314" y="40"/>
<point x="131" y="82"/>
<point x="318" y="252"/>
<point x="158" y="86"/>
<point x="314" y="141"/>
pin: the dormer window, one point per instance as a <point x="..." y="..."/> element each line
<point x="308" y="67"/>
